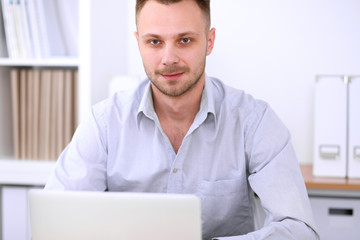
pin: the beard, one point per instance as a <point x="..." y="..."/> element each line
<point x="178" y="87"/>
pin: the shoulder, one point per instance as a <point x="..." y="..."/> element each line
<point x="120" y="103"/>
<point x="236" y="107"/>
<point x="238" y="102"/>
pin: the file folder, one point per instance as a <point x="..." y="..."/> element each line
<point x="330" y="127"/>
<point x="354" y="128"/>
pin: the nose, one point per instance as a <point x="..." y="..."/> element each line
<point x="170" y="56"/>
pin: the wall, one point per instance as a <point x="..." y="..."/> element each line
<point x="274" y="50"/>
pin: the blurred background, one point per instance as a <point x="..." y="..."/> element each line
<point x="273" y="50"/>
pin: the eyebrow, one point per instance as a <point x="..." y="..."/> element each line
<point x="188" y="33"/>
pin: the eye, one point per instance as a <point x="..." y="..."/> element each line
<point x="154" y="42"/>
<point x="185" y="40"/>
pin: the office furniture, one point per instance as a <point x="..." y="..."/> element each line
<point x="335" y="203"/>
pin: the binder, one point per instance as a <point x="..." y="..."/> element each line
<point x="354" y="128"/>
<point x="36" y="110"/>
<point x="330" y="127"/>
<point x="29" y="113"/>
<point x="23" y="114"/>
<point x="15" y="98"/>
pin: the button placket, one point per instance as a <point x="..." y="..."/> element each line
<point x="175" y="183"/>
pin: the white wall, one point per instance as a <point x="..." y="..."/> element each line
<point x="274" y="49"/>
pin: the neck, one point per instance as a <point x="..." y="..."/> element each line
<point x="176" y="114"/>
<point x="179" y="109"/>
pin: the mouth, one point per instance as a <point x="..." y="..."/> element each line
<point x="172" y="76"/>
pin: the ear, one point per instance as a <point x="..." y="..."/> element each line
<point x="136" y="34"/>
<point x="211" y="41"/>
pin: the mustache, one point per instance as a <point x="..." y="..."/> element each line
<point x="172" y="69"/>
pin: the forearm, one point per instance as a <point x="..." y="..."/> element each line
<point x="286" y="229"/>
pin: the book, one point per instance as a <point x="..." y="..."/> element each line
<point x="53" y="117"/>
<point x="34" y="31"/>
<point x="15" y="98"/>
<point x="10" y="35"/>
<point x="60" y="126"/>
<point x="44" y="133"/>
<point x="67" y="11"/>
<point x="42" y="28"/>
<point x="26" y="40"/>
<point x="29" y="114"/>
<point x="76" y="99"/>
<point x="52" y="29"/>
<point x="23" y="114"/>
<point x="3" y="48"/>
<point x="68" y="116"/>
<point x="19" y="29"/>
<point x="36" y="88"/>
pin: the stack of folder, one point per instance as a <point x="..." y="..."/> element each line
<point x="44" y="104"/>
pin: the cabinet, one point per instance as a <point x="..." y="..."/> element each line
<point x="335" y="203"/>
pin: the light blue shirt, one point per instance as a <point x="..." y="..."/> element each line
<point x="235" y="147"/>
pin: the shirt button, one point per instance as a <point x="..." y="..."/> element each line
<point x="175" y="170"/>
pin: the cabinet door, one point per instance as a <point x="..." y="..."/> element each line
<point x="330" y="126"/>
<point x="337" y="218"/>
<point x="14" y="209"/>
<point x="354" y="128"/>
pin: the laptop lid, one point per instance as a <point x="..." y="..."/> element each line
<point x="76" y="215"/>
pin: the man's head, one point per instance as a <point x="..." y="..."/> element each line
<point x="204" y="5"/>
<point x="174" y="40"/>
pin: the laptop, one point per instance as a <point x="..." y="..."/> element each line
<point x="77" y="215"/>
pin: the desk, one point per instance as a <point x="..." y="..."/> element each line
<point x="335" y="203"/>
<point x="312" y="182"/>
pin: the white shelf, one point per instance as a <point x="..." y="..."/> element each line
<point x="25" y="172"/>
<point x="45" y="62"/>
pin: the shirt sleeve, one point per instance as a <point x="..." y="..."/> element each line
<point x="82" y="164"/>
<point x="275" y="176"/>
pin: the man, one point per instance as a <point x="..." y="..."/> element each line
<point x="181" y="131"/>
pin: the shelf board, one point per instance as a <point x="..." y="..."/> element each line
<point x="44" y="62"/>
<point x="25" y="172"/>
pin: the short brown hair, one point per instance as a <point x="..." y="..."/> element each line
<point x="204" y="5"/>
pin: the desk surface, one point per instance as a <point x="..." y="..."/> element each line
<point x="312" y="182"/>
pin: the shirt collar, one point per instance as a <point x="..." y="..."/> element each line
<point x="207" y="104"/>
<point x="208" y="96"/>
<point x="146" y="106"/>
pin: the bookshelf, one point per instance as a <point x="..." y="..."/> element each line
<point x="58" y="55"/>
<point x="29" y="172"/>
<point x="101" y="55"/>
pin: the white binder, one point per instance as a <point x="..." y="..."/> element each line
<point x="330" y="127"/>
<point x="354" y="128"/>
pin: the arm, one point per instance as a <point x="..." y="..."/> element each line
<point x="275" y="176"/>
<point x="82" y="164"/>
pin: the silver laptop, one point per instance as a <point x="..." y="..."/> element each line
<point x="71" y="215"/>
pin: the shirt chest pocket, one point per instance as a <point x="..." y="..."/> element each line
<point x="222" y="187"/>
<point x="225" y="207"/>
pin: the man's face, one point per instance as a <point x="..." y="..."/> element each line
<point x="174" y="42"/>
